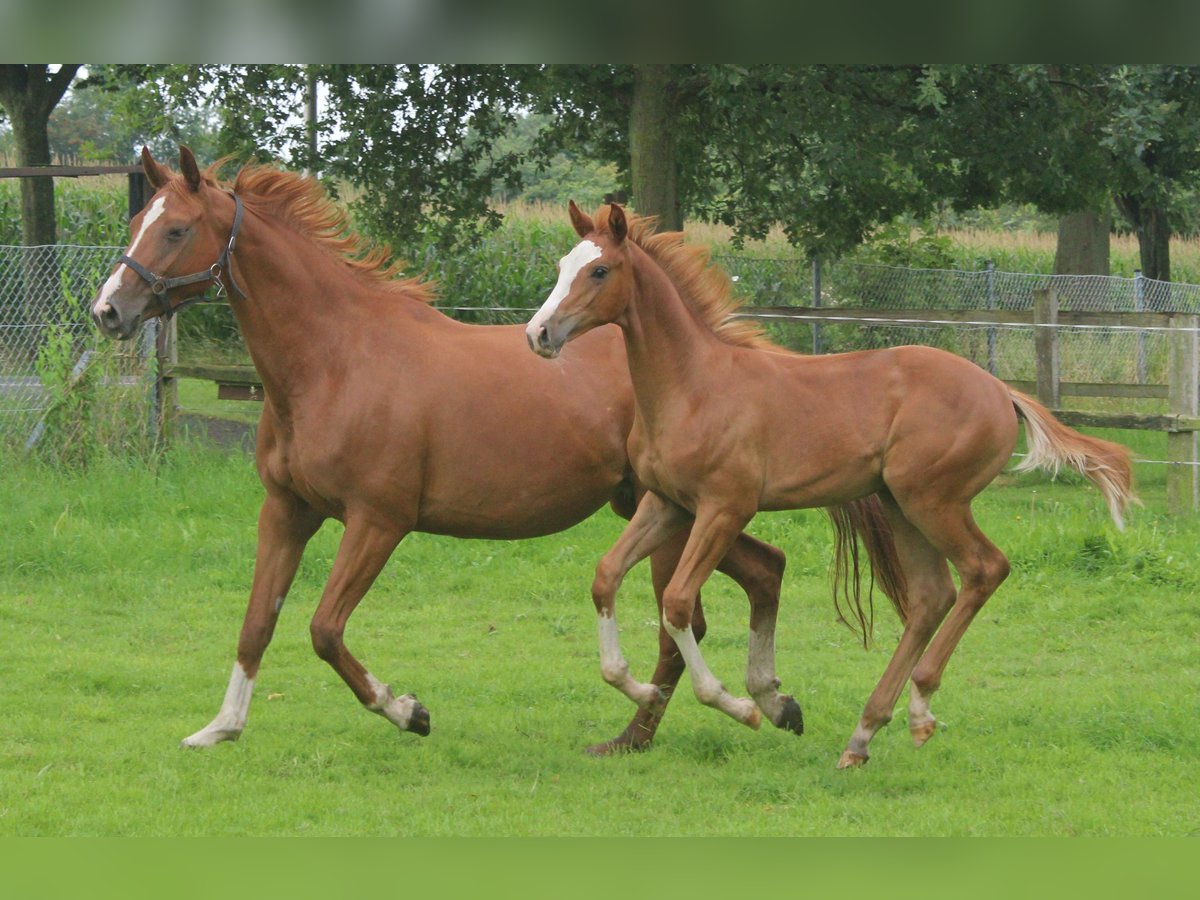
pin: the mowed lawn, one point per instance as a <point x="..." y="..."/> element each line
<point x="1071" y="708"/>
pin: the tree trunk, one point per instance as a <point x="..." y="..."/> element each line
<point x="1083" y="244"/>
<point x="29" y="94"/>
<point x="653" y="167"/>
<point x="1153" y="229"/>
<point x="38" y="223"/>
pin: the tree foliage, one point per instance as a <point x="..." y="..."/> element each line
<point x="830" y="152"/>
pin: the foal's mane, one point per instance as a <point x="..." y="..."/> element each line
<point x="704" y="286"/>
<point x="300" y="202"/>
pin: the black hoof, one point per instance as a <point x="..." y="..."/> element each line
<point x="792" y="719"/>
<point x="419" y="723"/>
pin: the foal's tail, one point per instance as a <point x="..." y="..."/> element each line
<point x="1052" y="444"/>
<point x="863" y="520"/>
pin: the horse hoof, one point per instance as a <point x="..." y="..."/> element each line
<point x="753" y="719"/>
<point x="791" y="719"/>
<point x="851" y="760"/>
<point x="418" y="722"/>
<point x="615" y="747"/>
<point x="922" y="732"/>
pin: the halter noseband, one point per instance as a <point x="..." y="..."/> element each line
<point x="159" y="284"/>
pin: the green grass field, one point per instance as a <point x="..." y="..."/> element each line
<point x="1071" y="708"/>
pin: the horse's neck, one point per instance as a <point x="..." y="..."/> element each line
<point x="670" y="350"/>
<point x="300" y="309"/>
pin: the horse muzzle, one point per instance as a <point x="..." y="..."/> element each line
<point x="540" y="341"/>
<point x="112" y="324"/>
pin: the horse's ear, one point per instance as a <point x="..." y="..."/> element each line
<point x="583" y="225"/>
<point x="187" y="165"/>
<point x="618" y="226"/>
<point x="157" y="175"/>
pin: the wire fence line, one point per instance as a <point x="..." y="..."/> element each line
<point x="46" y="290"/>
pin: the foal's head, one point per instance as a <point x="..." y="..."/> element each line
<point x="182" y="232"/>
<point x="593" y="283"/>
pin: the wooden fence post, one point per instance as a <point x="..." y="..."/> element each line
<point x="1183" y="399"/>
<point x="166" y="388"/>
<point x="1045" y="346"/>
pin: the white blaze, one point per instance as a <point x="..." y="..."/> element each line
<point x="568" y="267"/>
<point x="114" y="280"/>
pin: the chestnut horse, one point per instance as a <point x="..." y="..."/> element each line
<point x="391" y="417"/>
<point x="727" y="424"/>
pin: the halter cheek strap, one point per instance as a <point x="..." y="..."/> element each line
<point x="223" y="267"/>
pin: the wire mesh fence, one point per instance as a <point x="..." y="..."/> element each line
<point x="53" y="368"/>
<point x="44" y="293"/>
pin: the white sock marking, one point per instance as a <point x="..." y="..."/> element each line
<point x="230" y="721"/>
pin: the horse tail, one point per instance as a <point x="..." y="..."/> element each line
<point x="1051" y="445"/>
<point x="863" y="520"/>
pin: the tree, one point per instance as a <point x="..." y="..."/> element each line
<point x="29" y="94"/>
<point x="831" y="152"/>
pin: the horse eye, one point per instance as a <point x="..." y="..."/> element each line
<point x="176" y="234"/>
<point x="599" y="272"/>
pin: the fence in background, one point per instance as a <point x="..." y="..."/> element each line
<point x="1127" y="346"/>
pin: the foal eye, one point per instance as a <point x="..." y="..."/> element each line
<point x="599" y="272"/>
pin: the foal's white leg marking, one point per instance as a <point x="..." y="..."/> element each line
<point x="921" y="722"/>
<point x="760" y="674"/>
<point x="230" y="721"/>
<point x="709" y="690"/>
<point x="615" y="669"/>
<point x="568" y="268"/>
<point x="397" y="710"/>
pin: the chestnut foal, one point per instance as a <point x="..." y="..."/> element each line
<point x="726" y="424"/>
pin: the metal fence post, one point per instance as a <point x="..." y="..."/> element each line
<point x="816" y="328"/>
<point x="1183" y="398"/>
<point x="1139" y="305"/>
<point x="990" y="281"/>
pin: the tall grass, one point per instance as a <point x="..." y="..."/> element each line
<point x="90" y="212"/>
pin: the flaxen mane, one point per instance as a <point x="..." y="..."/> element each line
<point x="706" y="287"/>
<point x="301" y="203"/>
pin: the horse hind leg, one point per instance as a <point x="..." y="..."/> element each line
<point x="364" y="549"/>
<point x="930" y="595"/>
<point x="981" y="569"/>
<point x="758" y="568"/>
<point x="285" y="525"/>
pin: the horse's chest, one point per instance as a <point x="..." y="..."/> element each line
<point x="672" y="471"/>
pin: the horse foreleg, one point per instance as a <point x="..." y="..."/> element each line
<point x="642" y="727"/>
<point x="713" y="533"/>
<point x="285" y="525"/>
<point x="365" y="548"/>
<point x="655" y="521"/>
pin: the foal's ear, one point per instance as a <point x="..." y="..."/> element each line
<point x="191" y="171"/>
<point x="618" y="226"/>
<point x="155" y="174"/>
<point x="583" y="225"/>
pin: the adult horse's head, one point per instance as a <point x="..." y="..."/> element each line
<point x="182" y="243"/>
<point x="592" y="286"/>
